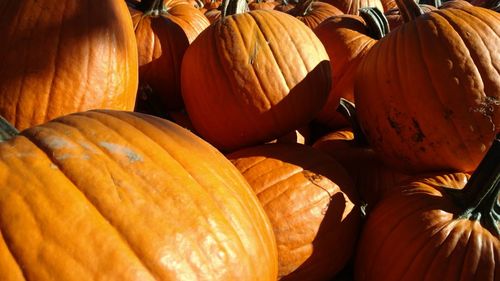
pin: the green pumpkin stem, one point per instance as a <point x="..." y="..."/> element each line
<point x="435" y="3"/>
<point x="348" y="110"/>
<point x="302" y="8"/>
<point x="479" y="198"/>
<point x="233" y="7"/>
<point x="376" y="21"/>
<point x="7" y="131"/>
<point x="148" y="7"/>
<point x="409" y="9"/>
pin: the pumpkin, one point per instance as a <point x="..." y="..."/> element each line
<point x="441" y="228"/>
<point x="312" y="12"/>
<point x="163" y="34"/>
<point x="240" y="88"/>
<point x="352" y="6"/>
<point x="416" y="117"/>
<point x="347" y="39"/>
<point x="373" y="179"/>
<point x="114" y="195"/>
<point x="310" y="201"/>
<point x="59" y="57"/>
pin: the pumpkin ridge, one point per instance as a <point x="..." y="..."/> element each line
<point x="91" y="204"/>
<point x="22" y="270"/>
<point x="152" y="120"/>
<point x="261" y="26"/>
<point x="106" y="153"/>
<point x="436" y="92"/>
<point x="265" y="203"/>
<point x="467" y="247"/>
<point x="293" y="173"/>
<point x="243" y="171"/>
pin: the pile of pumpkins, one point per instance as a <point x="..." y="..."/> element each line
<point x="249" y="140"/>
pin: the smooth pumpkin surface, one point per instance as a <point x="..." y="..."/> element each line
<point x="413" y="114"/>
<point x="109" y="195"/>
<point x="311" y="203"/>
<point x="252" y="77"/>
<point x="59" y="57"/>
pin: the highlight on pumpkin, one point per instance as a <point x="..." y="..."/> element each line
<point x="308" y="140"/>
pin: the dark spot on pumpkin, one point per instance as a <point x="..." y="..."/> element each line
<point x="448" y="113"/>
<point x="394" y="125"/>
<point x="419" y="135"/>
<point x="422" y="148"/>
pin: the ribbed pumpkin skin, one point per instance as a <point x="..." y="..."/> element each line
<point x="413" y="236"/>
<point x="428" y="94"/>
<point x="108" y="195"/>
<point x="252" y="77"/>
<point x="59" y="57"/>
<point x="346" y="41"/>
<point x="309" y="199"/>
<point x="162" y="41"/>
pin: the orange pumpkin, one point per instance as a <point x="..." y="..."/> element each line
<point x="59" y="57"/>
<point x="310" y="201"/>
<point x="312" y="12"/>
<point x="239" y="86"/>
<point x="352" y="7"/>
<point x="163" y="34"/>
<point x="435" y="107"/>
<point x="436" y="229"/>
<point x="115" y="195"/>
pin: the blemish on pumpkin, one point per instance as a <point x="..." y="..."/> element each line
<point x="54" y="143"/>
<point x="419" y="135"/>
<point x="316" y="179"/>
<point x="394" y="125"/>
<point x="120" y="149"/>
<point x="72" y="156"/>
<point x="487" y="108"/>
<point x="448" y="113"/>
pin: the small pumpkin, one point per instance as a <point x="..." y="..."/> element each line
<point x="311" y="203"/>
<point x="117" y="195"/>
<point x="440" y="228"/>
<point x="59" y="57"/>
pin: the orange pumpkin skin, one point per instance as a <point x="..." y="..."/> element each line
<point x="309" y="199"/>
<point x="352" y="7"/>
<point x="373" y="179"/>
<point x="162" y="40"/>
<point x="313" y="12"/>
<point x="59" y="57"/>
<point x="347" y="41"/>
<point x="444" y="115"/>
<point x="414" y="235"/>
<point x="109" y="195"/>
<point x="240" y="89"/>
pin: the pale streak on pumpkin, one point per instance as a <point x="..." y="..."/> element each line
<point x="260" y="57"/>
<point x="60" y="57"/>
<point x="167" y="217"/>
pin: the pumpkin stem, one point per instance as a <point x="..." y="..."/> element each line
<point x="7" y="131"/>
<point x="409" y="9"/>
<point x="435" y="3"/>
<point x="348" y="110"/>
<point x="302" y="8"/>
<point x="479" y="197"/>
<point x="377" y="23"/>
<point x="148" y="7"/>
<point x="233" y="7"/>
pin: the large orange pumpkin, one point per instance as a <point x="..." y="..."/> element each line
<point x="252" y="77"/>
<point x="428" y="93"/>
<point x="62" y="56"/>
<point x="436" y="229"/>
<point x="109" y="195"/>
<point x="310" y="201"/>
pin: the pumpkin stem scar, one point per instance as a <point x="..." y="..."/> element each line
<point x="479" y="198"/>
<point x="7" y="131"/>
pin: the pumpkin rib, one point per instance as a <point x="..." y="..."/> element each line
<point x="228" y="189"/>
<point x="243" y="171"/>
<point x="21" y="270"/>
<point x="437" y="94"/>
<point x="463" y="263"/>
<point x="200" y="254"/>
<point x="89" y="201"/>
<point x="262" y="26"/>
